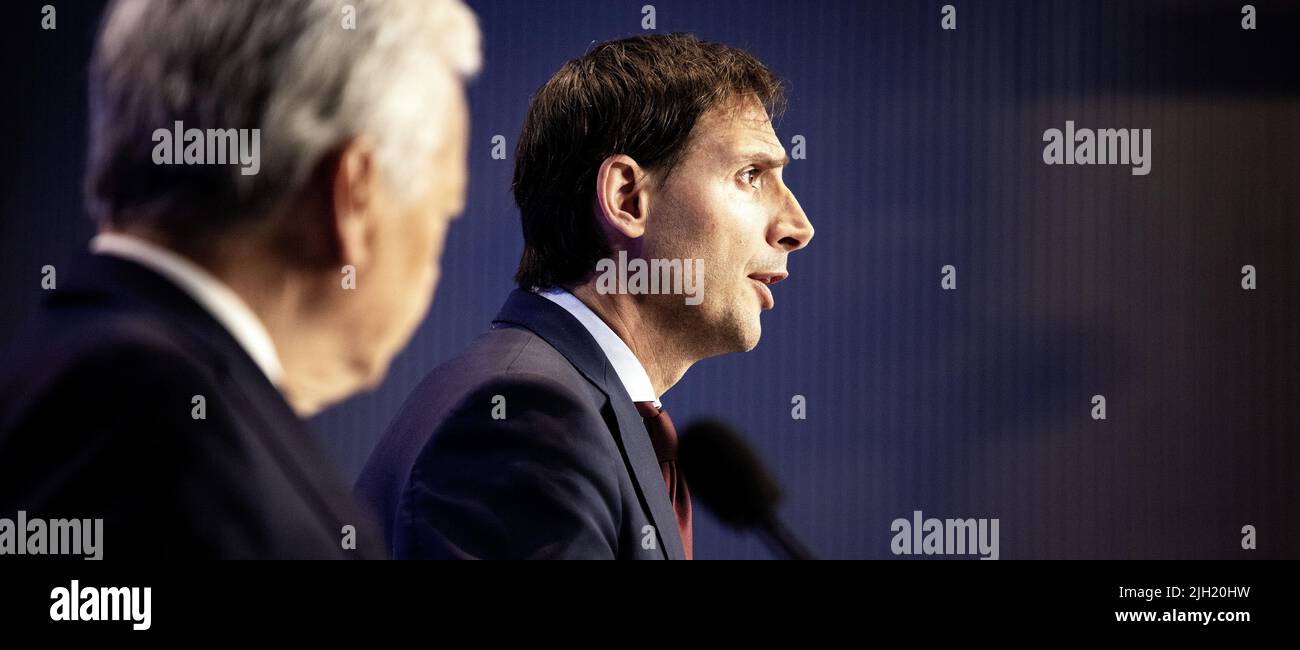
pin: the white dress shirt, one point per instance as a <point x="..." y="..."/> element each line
<point x="626" y="365"/>
<point x="212" y="294"/>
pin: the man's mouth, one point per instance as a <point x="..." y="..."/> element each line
<point x="764" y="279"/>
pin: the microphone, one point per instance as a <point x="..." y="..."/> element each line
<point x="729" y="478"/>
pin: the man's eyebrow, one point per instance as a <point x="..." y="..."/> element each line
<point x="765" y="159"/>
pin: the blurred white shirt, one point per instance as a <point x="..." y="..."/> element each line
<point x="212" y="294"/>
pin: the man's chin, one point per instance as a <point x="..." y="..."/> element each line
<point x="715" y="334"/>
<point x="747" y="334"/>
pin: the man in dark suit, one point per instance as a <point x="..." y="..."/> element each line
<point x="161" y="385"/>
<point x="125" y="400"/>
<point x="647" y="172"/>
<point x="562" y="469"/>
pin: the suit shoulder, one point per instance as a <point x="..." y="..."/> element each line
<point x="518" y="350"/>
<point x="107" y="357"/>
<point x="127" y="343"/>
<point x="506" y="357"/>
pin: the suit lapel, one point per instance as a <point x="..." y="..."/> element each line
<point x="290" y="443"/>
<point x="568" y="336"/>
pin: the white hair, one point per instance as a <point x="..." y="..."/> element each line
<point x="309" y="74"/>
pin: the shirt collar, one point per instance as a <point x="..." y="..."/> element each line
<point x="211" y="293"/>
<point x="626" y="365"/>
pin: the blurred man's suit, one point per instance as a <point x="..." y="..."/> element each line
<point x="568" y="470"/>
<point x="98" y="420"/>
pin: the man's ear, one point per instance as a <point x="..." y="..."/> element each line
<point x="353" y="194"/>
<point x="622" y="196"/>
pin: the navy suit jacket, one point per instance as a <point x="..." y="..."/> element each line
<point x="96" y="421"/>
<point x="566" y="471"/>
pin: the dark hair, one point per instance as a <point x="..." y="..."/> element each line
<point x="638" y="96"/>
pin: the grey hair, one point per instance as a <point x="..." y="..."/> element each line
<point x="293" y="69"/>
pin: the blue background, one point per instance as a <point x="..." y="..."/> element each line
<point x="923" y="149"/>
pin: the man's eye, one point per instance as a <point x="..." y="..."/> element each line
<point x="750" y="177"/>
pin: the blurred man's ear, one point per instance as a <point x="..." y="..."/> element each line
<point x="354" y="195"/>
<point x="622" y="201"/>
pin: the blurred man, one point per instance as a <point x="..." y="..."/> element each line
<point x="273" y="182"/>
<point x="655" y="218"/>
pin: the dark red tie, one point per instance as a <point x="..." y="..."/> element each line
<point x="664" y="438"/>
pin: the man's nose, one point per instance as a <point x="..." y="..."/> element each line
<point x="791" y="230"/>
